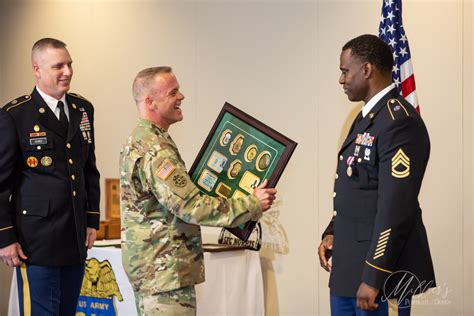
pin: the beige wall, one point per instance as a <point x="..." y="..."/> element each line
<point x="468" y="170"/>
<point x="278" y="61"/>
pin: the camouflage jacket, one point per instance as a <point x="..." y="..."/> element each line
<point x="161" y="209"/>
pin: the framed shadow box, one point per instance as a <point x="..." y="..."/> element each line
<point x="237" y="155"/>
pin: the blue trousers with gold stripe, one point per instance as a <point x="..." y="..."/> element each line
<point x="347" y="306"/>
<point x="48" y="290"/>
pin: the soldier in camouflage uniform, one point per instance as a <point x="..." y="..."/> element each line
<point x="162" y="209"/>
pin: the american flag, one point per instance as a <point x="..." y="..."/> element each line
<point x="392" y="32"/>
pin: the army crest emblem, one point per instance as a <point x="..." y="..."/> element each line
<point x="98" y="290"/>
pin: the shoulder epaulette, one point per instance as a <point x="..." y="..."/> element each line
<point x="396" y="109"/>
<point x="78" y="96"/>
<point x="16" y="102"/>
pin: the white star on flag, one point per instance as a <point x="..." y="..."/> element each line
<point x="403" y="51"/>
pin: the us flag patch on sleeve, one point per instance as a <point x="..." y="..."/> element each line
<point x="165" y="169"/>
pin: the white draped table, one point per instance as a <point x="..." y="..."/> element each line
<point x="234" y="284"/>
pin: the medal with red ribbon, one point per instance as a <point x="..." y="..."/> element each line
<point x="350" y="161"/>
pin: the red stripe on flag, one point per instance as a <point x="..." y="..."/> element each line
<point x="408" y="85"/>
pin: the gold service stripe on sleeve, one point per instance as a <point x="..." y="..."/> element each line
<point x="378" y="268"/>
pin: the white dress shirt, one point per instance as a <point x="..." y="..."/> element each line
<point x="53" y="103"/>
<point x="376" y="98"/>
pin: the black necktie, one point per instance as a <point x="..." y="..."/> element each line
<point x="62" y="116"/>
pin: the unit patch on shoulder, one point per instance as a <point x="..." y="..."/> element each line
<point x="400" y="165"/>
<point x="179" y="180"/>
<point x="165" y="169"/>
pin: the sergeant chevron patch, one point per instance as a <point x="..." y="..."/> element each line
<point x="400" y="165"/>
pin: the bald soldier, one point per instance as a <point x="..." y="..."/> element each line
<point x="162" y="209"/>
<point x="49" y="185"/>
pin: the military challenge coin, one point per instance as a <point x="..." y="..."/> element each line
<point x="234" y="169"/>
<point x="217" y="161"/>
<point x="225" y="137"/>
<point x="263" y="161"/>
<point x="236" y="145"/>
<point x="207" y="180"/>
<point x="223" y="190"/>
<point x="250" y="153"/>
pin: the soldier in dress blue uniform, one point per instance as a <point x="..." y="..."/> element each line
<point x="376" y="237"/>
<point x="49" y="186"/>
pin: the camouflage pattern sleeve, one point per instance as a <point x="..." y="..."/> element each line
<point x="169" y="181"/>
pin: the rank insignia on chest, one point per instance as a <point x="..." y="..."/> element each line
<point x="365" y="139"/>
